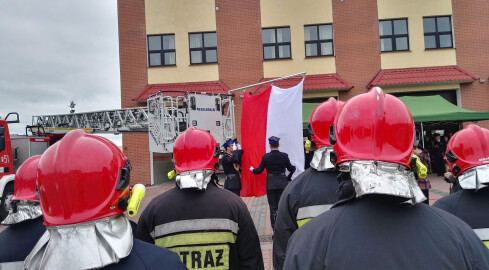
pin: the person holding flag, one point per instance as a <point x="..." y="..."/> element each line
<point x="275" y="162"/>
<point x="231" y="164"/>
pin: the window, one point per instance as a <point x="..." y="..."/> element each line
<point x="161" y="50"/>
<point x="318" y="40"/>
<point x="203" y="48"/>
<point x="394" y="35"/>
<point x="438" y="32"/>
<point x="276" y="43"/>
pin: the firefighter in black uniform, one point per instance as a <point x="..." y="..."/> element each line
<point x="379" y="226"/>
<point x="83" y="185"/>
<point x="313" y="191"/>
<point x="209" y="228"/>
<point x="231" y="162"/>
<point x="275" y="162"/>
<point x="24" y="220"/>
<point x="467" y="156"/>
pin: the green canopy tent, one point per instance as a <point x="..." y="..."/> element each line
<point x="307" y="109"/>
<point x="423" y="109"/>
<point x="437" y="109"/>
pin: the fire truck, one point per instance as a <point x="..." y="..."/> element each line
<point x="14" y="150"/>
<point x="167" y="115"/>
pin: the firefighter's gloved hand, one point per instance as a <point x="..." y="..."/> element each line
<point x="234" y="147"/>
<point x="251" y="168"/>
<point x="239" y="146"/>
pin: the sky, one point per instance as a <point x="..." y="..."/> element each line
<point x="56" y="51"/>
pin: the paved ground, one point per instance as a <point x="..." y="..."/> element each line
<point x="258" y="207"/>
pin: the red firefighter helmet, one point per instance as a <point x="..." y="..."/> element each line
<point x="322" y="117"/>
<point x="195" y="149"/>
<point x="374" y="126"/>
<point x="468" y="148"/>
<point x="82" y="177"/>
<point x="25" y="180"/>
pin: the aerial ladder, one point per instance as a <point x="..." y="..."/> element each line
<point x="167" y="115"/>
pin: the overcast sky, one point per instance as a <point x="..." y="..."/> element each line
<point x="55" y="51"/>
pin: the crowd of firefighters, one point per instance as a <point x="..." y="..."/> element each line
<point x="358" y="206"/>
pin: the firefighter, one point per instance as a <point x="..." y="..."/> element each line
<point x="275" y="162"/>
<point x="208" y="227"/>
<point x="313" y="191"/>
<point x="24" y="220"/>
<point x="83" y="183"/>
<point x="467" y="157"/>
<point x="231" y="161"/>
<point x="379" y="227"/>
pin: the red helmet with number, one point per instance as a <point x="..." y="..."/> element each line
<point x="322" y="117"/>
<point x="25" y="180"/>
<point x="82" y="177"/>
<point x="468" y="148"/>
<point x="195" y="149"/>
<point x="374" y="126"/>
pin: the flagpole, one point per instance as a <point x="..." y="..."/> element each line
<point x="273" y="80"/>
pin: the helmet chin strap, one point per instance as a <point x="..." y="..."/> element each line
<point x="87" y="245"/>
<point x="197" y="179"/>
<point x="376" y="177"/>
<point x="475" y="178"/>
<point x="25" y="210"/>
<point x="321" y="160"/>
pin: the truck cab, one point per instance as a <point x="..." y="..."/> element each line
<point x="14" y="150"/>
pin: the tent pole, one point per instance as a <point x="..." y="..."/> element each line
<point x="422" y="134"/>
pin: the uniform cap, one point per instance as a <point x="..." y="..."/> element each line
<point x="273" y="140"/>
<point x="228" y="143"/>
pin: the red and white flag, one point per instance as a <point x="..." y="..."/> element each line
<point x="273" y="112"/>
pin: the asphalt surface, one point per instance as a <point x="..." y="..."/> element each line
<point x="259" y="211"/>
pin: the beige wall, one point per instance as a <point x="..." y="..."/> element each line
<point x="415" y="10"/>
<point x="418" y="88"/>
<point x="296" y="14"/>
<point x="181" y="18"/>
<point x="319" y="94"/>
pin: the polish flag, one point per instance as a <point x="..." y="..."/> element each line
<point x="273" y="112"/>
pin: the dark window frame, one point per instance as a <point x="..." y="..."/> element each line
<point x="437" y="33"/>
<point x="393" y="36"/>
<point x="202" y="49"/>
<point x="277" y="44"/>
<point x="162" y="51"/>
<point x="319" y="41"/>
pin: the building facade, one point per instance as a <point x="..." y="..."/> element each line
<point x="412" y="47"/>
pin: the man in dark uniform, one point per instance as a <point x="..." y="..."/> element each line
<point x="83" y="185"/>
<point x="312" y="192"/>
<point x="437" y="149"/>
<point x="275" y="162"/>
<point x="378" y="227"/>
<point x="231" y="162"/>
<point x="206" y="226"/>
<point x="467" y="156"/>
<point x="24" y="220"/>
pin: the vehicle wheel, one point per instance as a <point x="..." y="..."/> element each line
<point x="5" y="206"/>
